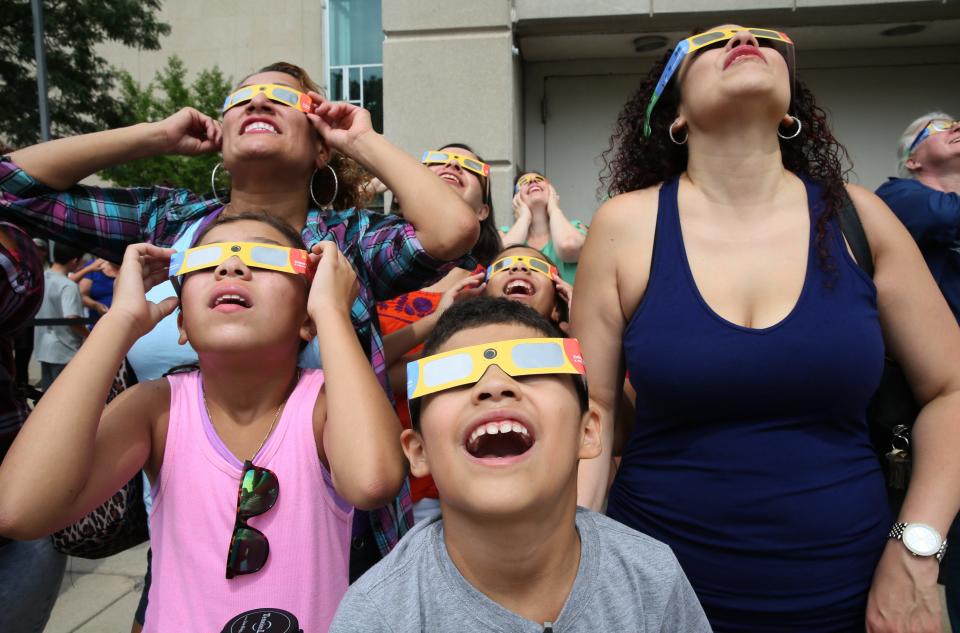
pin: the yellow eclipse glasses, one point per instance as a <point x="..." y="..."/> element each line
<point x="527" y="179"/>
<point x="935" y="126"/>
<point x="692" y="44"/>
<point x="278" y="93"/>
<point x="533" y="263"/>
<point x="265" y="256"/>
<point x="434" y="157"/>
<point x="517" y="357"/>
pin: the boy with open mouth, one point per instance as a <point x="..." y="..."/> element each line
<point x="500" y="419"/>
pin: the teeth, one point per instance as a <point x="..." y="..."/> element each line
<point x="260" y="125"/>
<point x="451" y="178"/>
<point x="223" y="298"/>
<point x="519" y="284"/>
<point x="492" y="428"/>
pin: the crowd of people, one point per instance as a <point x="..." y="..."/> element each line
<point x="655" y="423"/>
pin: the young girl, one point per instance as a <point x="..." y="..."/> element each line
<point x="220" y="443"/>
<point x="525" y="274"/>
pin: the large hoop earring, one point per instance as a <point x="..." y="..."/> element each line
<point x="672" y="138"/>
<point x="795" y="134"/>
<point x="336" y="188"/>
<point x="213" y="183"/>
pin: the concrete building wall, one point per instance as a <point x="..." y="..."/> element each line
<point x="239" y="36"/>
<point x="450" y="75"/>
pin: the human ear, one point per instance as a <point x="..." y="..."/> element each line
<point x="413" y="448"/>
<point x="913" y="164"/>
<point x="483" y="212"/>
<point x="308" y="330"/>
<point x="183" y="333"/>
<point x="590" y="442"/>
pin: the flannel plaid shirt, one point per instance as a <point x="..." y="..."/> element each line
<point x="384" y="250"/>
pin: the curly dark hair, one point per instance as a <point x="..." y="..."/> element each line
<point x="640" y="161"/>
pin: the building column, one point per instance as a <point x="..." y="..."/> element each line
<point x="451" y="75"/>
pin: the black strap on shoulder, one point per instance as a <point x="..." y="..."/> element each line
<point x="852" y="230"/>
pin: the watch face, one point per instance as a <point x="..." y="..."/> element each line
<point x="921" y="539"/>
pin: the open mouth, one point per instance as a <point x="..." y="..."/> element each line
<point x="507" y="438"/>
<point x="258" y="127"/>
<point x="451" y="178"/>
<point x="519" y="288"/>
<point x="534" y="188"/>
<point x="230" y="302"/>
<point x="743" y="52"/>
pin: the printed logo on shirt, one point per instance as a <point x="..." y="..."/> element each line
<point x="263" y="621"/>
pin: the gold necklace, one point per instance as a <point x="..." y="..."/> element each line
<point x="276" y="416"/>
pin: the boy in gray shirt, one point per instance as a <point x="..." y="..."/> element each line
<point x="55" y="345"/>
<point x="500" y="419"/>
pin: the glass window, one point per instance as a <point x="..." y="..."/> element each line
<point x="373" y="94"/>
<point x="336" y="84"/>
<point x="356" y="32"/>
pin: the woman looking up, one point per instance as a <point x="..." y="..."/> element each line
<point x="718" y="276"/>
<point x="288" y="151"/>
<point x="540" y="222"/>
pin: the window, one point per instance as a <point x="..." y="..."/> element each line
<point x="355" y="55"/>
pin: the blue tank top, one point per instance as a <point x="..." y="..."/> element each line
<point x="750" y="455"/>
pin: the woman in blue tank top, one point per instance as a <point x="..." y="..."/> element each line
<point x="717" y="277"/>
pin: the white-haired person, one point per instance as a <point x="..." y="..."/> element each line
<point x="926" y="198"/>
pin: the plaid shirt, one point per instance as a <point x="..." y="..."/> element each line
<point x="21" y="293"/>
<point x="384" y="250"/>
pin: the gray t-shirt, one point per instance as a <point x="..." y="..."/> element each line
<point x="626" y="582"/>
<point x="61" y="298"/>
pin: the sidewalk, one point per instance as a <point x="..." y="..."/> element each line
<point x="100" y="596"/>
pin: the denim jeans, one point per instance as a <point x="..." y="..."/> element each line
<point x="30" y="575"/>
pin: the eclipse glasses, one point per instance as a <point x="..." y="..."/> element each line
<point x="278" y="93"/>
<point x="778" y="40"/>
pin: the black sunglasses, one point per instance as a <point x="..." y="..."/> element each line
<point x="249" y="548"/>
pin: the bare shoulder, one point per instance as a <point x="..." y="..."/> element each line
<point x="884" y="230"/>
<point x="152" y="397"/>
<point x="627" y="211"/>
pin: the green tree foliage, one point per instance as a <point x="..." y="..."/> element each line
<point x="166" y="94"/>
<point x="80" y="81"/>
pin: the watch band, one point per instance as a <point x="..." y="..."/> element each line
<point x="896" y="532"/>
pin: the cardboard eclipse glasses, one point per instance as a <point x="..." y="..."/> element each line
<point x="936" y="126"/>
<point x="278" y="93"/>
<point x="533" y="263"/>
<point x="516" y="357"/>
<point x="780" y="41"/>
<point x="264" y="256"/>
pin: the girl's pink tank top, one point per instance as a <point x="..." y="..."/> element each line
<point x="195" y="505"/>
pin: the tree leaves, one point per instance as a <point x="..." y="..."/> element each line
<point x="80" y="81"/>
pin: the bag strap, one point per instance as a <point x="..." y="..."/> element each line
<point x="852" y="230"/>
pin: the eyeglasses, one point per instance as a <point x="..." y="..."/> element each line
<point x="517" y="357"/>
<point x="266" y="256"/>
<point x="935" y="126"/>
<point x="434" y="157"/>
<point x="527" y="179"/>
<point x="533" y="263"/>
<point x="249" y="548"/>
<point x="281" y="94"/>
<point x="697" y="42"/>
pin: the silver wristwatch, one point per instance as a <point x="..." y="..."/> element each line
<point x="920" y="539"/>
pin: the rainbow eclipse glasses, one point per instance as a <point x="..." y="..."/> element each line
<point x="533" y="263"/>
<point x="781" y="42"/>
<point x="517" y="357"/>
<point x="265" y="256"/>
<point x="527" y="179"/>
<point x="936" y="126"/>
<point x="278" y="93"/>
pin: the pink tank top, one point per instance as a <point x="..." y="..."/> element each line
<point x="195" y="504"/>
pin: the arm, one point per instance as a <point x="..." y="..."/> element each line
<point x="922" y="334"/>
<point x="520" y="231"/>
<point x="62" y="163"/>
<point x="445" y="225"/>
<point x="39" y="185"/>
<point x="88" y="301"/>
<point x="71" y="307"/>
<point x="598" y="322"/>
<point x="360" y="432"/>
<point x="81" y="275"/>
<point x="62" y="464"/>
<point x="567" y="238"/>
<point x="398" y="343"/>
